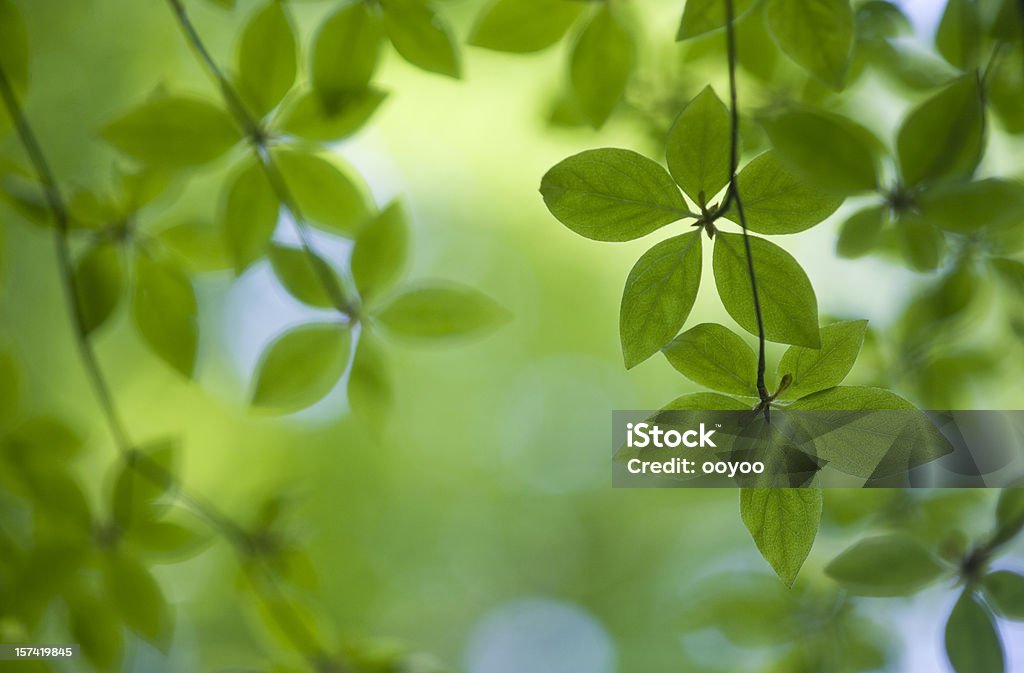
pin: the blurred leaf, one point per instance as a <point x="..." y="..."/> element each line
<point x="1004" y="591"/>
<point x="10" y="391"/>
<point x="861" y="232"/>
<point x="1009" y="514"/>
<point x="922" y="243"/>
<point x="325" y="194"/>
<point x="380" y="251"/>
<point x="851" y="398"/>
<point x="301" y="366"/>
<point x="141" y="481"/>
<point x="698" y="147"/>
<point x="165" y="313"/>
<point x="306" y="117"/>
<point x="958" y="37"/>
<point x="289" y="624"/>
<point x="138" y="599"/>
<point x="714" y="357"/>
<point x="173" y="132"/>
<point x="816" y="34"/>
<point x="879" y="20"/>
<point x="972" y="641"/>
<point x="612" y="195"/>
<point x="99" y="282"/>
<point x="267" y="57"/>
<point x="167" y="541"/>
<point x="96" y="629"/>
<point x="659" y="294"/>
<point x="887" y="565"/>
<point x="788" y="305"/>
<point x="14" y="56"/>
<point x="141" y="187"/>
<point x="248" y="214"/>
<point x="90" y="210"/>
<point x="199" y="246"/>
<point x="783" y="523"/>
<point x="775" y="201"/>
<point x="943" y="137"/>
<point x="600" y="65"/>
<point x="370" y="392"/>
<point x="435" y="311"/>
<point x="294" y="268"/>
<point x="704" y="16"/>
<point x="827" y="150"/>
<point x="522" y="26"/>
<point x="1006" y="90"/>
<point x="967" y="207"/>
<point x="817" y="369"/>
<point x="751" y="610"/>
<point x="345" y="54"/>
<point x="421" y="36"/>
<point x="45" y="438"/>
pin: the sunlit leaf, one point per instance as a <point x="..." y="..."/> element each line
<point x="776" y="201"/>
<point x="198" y="245"/>
<point x="301" y="366"/>
<point x="140" y="484"/>
<point x="698" y="147"/>
<point x="967" y="207"/>
<point x="166" y="541"/>
<point x="612" y="195"/>
<point x="816" y="34"/>
<point x="704" y="16"/>
<point x="99" y="283"/>
<point x="437" y="311"/>
<point x="421" y="36"/>
<point x="812" y="369"/>
<point x="887" y="565"/>
<point x="295" y="269"/>
<point x="861" y="232"/>
<point x="325" y="193"/>
<point x="345" y="54"/>
<point x="370" y="393"/>
<point x="380" y="251"/>
<point x="973" y="644"/>
<point x="706" y="402"/>
<point x="600" y="65"/>
<point x="267" y="57"/>
<point x="714" y="357"/>
<point x="248" y="214"/>
<point x="852" y="398"/>
<point x="783" y="523"/>
<point x="164" y="311"/>
<point x="943" y="137"/>
<point x="522" y="26"/>
<point x="306" y="116"/>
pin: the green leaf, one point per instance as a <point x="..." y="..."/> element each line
<point x="1006" y="90"/>
<point x="1009" y="514"/>
<point x="421" y="36"/>
<point x="306" y="116"/>
<point x="97" y="630"/>
<point x="921" y="243"/>
<point x="10" y="392"/>
<point x="827" y="150"/>
<point x="704" y="16"/>
<point x="600" y="65"/>
<point x="141" y="483"/>
<point x="370" y="393"/>
<point x="775" y="201"/>
<point x="99" y="284"/>
<point x="887" y="565"/>
<point x="861" y="232"/>
<point x="973" y="644"/>
<point x="173" y="132"/>
<point x="816" y="34"/>
<point x="788" y="305"/>
<point x="706" y="402"/>
<point x="198" y="245"/>
<point x="45" y="438"/>
<point x="436" y="311"/>
<point x="659" y="294"/>
<point x="301" y="366"/>
<point x="852" y="398"/>
<point x="812" y="370"/>
<point x="698" y="147"/>
<point x="523" y="26"/>
<point x="164" y="311"/>
<point x="14" y="56"/>
<point x="380" y="251"/>
<point x="958" y="37"/>
<point x="325" y="194"/>
<point x="166" y="540"/>
<point x="248" y="214"/>
<point x="267" y="58"/>
<point x="783" y="523"/>
<point x="138" y="599"/>
<point x="943" y="137"/>
<point x="966" y="207"/>
<point x="612" y="195"/>
<point x="345" y="53"/>
<point x="1004" y="591"/>
<point x="294" y="268"/>
<point x="714" y="357"/>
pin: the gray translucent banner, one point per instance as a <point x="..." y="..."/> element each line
<point x="822" y="449"/>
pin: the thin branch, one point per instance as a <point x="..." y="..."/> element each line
<point x="258" y="139"/>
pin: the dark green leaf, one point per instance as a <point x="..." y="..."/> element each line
<point x="1004" y="591"/>
<point x="600" y="65"/>
<point x="827" y="150"/>
<point x="716" y="358"/>
<point x="421" y="36"/>
<point x="140" y="484"/>
<point x="967" y="207"/>
<point x="704" y="16"/>
<point x="783" y="523"/>
<point x="775" y="201"/>
<point x="173" y="132"/>
<point x="99" y="284"/>
<point x="973" y="644"/>
<point x="435" y="311"/>
<point x="817" y="34"/>
<point x="10" y="391"/>
<point x="788" y="305"/>
<point x="97" y="630"/>
<point x="860" y="233"/>
<point x="943" y="137"/>
<point x="346" y="51"/>
<point x="294" y="268"/>
<point x="612" y="195"/>
<point x="812" y="370"/>
<point x="1006" y="89"/>
<point x="958" y="37"/>
<point x="921" y="242"/>
<point x="887" y="565"/>
<point x="370" y="392"/>
<point x="698" y="147"/>
<point x="306" y="116"/>
<point x="659" y="293"/>
<point x="44" y="438"/>
<point x="248" y="215"/>
<point x="380" y="251"/>
<point x="301" y="366"/>
<point x="164" y="311"/>
<point x="14" y="57"/>
<point x="138" y="599"/>
<point x="1009" y="514"/>
<point x="267" y="55"/>
<point x="198" y="245"/>
<point x="325" y="194"/>
<point x="522" y="26"/>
